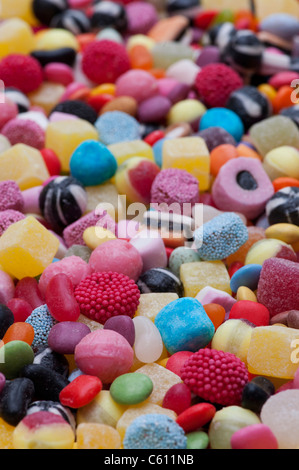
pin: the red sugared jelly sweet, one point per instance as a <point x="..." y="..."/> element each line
<point x="61" y="300"/>
<point x="81" y="391"/>
<point x="196" y="416"/>
<point x="177" y="398"/>
<point x="20" y="308"/>
<point x="254" y="312"/>
<point x="52" y="161"/>
<point x="27" y="289"/>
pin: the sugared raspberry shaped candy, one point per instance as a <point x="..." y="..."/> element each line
<point x="103" y="295"/>
<point x="215" y="83"/>
<point x="22" y="72"/>
<point x="216" y="376"/>
<point x="104" y="61"/>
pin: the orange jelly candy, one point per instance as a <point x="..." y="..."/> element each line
<point x="140" y="57"/>
<point x="216" y="314"/>
<point x="284" y="182"/>
<point x="19" y="331"/>
<point x="254" y="235"/>
<point x="220" y="155"/>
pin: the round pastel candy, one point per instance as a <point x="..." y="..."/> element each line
<point x="282" y="162"/>
<point x="123" y="325"/>
<point x="24" y="131"/>
<point x="220" y="237"/>
<point x="180" y="256"/>
<point x="138" y="84"/>
<point x="131" y="389"/>
<point x="159" y="280"/>
<point x="225" y="118"/>
<point x="116" y="126"/>
<point x="242" y="185"/>
<point x="151" y="249"/>
<point x="92" y="163"/>
<point x="105" y="354"/>
<point x="215" y="136"/>
<point x="280" y="24"/>
<point x="188" y="110"/>
<point x="283" y="206"/>
<point x="59" y="73"/>
<point x="255" y="436"/>
<point x="250" y="105"/>
<point x="62" y="202"/>
<point x="197" y="440"/>
<point x="141" y="17"/>
<point x="148" y="345"/>
<point x="247" y="276"/>
<point x="154" y="431"/>
<point x="184" y="325"/>
<point x="110" y="34"/>
<point x="65" y="335"/>
<point x="154" y="109"/>
<point x="16" y="355"/>
<point x="233" y="336"/>
<point x="254" y="312"/>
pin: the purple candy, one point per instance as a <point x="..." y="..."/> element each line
<point x="64" y="336"/>
<point x="123" y="325"/>
<point x="178" y="93"/>
<point x="154" y="109"/>
<point x="8" y="218"/>
<point x="11" y="196"/>
<point x="141" y="17"/>
<point x="208" y="55"/>
<point x="2" y="381"/>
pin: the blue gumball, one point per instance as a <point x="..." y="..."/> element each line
<point x="225" y="118"/>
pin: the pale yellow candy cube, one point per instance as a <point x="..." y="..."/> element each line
<point x="16" y="37"/>
<point x="47" y="96"/>
<point x="151" y="304"/>
<point x="199" y="274"/>
<point x="96" y="236"/>
<point x="102" y="410"/>
<point x="97" y="436"/>
<point x="135" y="148"/>
<point x="162" y="379"/>
<point x="274" y="351"/>
<point x="104" y="195"/>
<point x="27" y="248"/>
<point x="138" y="410"/>
<point x="190" y="154"/>
<point x="18" y="9"/>
<point x="63" y="137"/>
<point x="24" y="165"/>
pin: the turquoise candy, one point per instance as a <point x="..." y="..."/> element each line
<point x="158" y="151"/>
<point x="225" y="118"/>
<point x="14" y="356"/>
<point x="184" y="326"/>
<point x="180" y="256"/>
<point x="220" y="237"/>
<point x="247" y="276"/>
<point x="92" y="163"/>
<point x="197" y="440"/>
<point x="131" y="389"/>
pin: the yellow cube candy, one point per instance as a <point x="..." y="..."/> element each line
<point x="190" y="154"/>
<point x="27" y="248"/>
<point x="24" y="165"/>
<point x="135" y="148"/>
<point x="138" y="410"/>
<point x="18" y="9"/>
<point x="199" y="274"/>
<point x="151" y="304"/>
<point x="104" y="195"/>
<point x="97" y="436"/>
<point x="103" y="410"/>
<point x="162" y="379"/>
<point x="95" y="236"/>
<point x="16" y="37"/>
<point x="6" y="435"/>
<point x="65" y="136"/>
<point x="273" y="351"/>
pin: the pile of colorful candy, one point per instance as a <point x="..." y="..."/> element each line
<point x="179" y="328"/>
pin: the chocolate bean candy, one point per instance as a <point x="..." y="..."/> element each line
<point x="47" y="383"/>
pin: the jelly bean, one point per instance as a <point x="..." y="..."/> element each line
<point x="216" y="314"/>
<point x="196" y="416"/>
<point x="19" y="331"/>
<point x="28" y="290"/>
<point x="65" y="335"/>
<point x="131" y="389"/>
<point x="81" y="391"/>
<point x="177" y="398"/>
<point x="47" y="383"/>
<point x="16" y="354"/>
<point x="61" y="300"/>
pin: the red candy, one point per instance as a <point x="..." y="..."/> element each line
<point x="215" y="376"/>
<point x="60" y="299"/>
<point x="107" y="294"/>
<point x="196" y="416"/>
<point x="52" y="161"/>
<point x="20" y="309"/>
<point x="81" y="391"/>
<point x="254" y="312"/>
<point x="215" y="83"/>
<point x="177" y="360"/>
<point x="22" y="72"/>
<point x="27" y="289"/>
<point x="153" y="137"/>
<point x="104" y="61"/>
<point x="177" y="398"/>
<point x="234" y="268"/>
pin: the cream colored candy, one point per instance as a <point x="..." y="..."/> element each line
<point x="282" y="162"/>
<point x="197" y="275"/>
<point x="244" y="293"/>
<point x="95" y="236"/>
<point x="287" y="233"/>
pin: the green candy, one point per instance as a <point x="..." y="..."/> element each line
<point x="180" y="256"/>
<point x="14" y="356"/>
<point x="131" y="389"/>
<point x="197" y="440"/>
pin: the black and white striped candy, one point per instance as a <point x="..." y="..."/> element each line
<point x="244" y="51"/>
<point x="74" y="21"/>
<point x="62" y="202"/>
<point x="107" y="14"/>
<point x="19" y="98"/>
<point x="45" y="10"/>
<point x="283" y="207"/>
<point x="219" y="35"/>
<point x="159" y="280"/>
<point x="52" y="407"/>
<point x="250" y="105"/>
